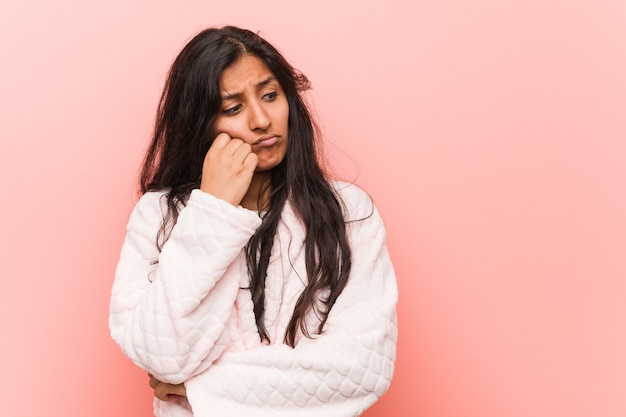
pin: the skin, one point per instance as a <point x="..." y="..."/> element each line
<point x="253" y="126"/>
<point x="166" y="392"/>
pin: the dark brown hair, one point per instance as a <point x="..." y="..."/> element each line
<point x="184" y="131"/>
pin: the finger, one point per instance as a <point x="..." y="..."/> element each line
<point x="221" y="141"/>
<point x="153" y="382"/>
<point x="242" y="152"/>
<point x="166" y="392"/>
<point x="251" y="161"/>
<point x="160" y="391"/>
<point x="234" y="146"/>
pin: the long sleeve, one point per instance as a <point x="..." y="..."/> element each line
<point x="338" y="373"/>
<point x="170" y="311"/>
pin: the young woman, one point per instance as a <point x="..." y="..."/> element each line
<point x="249" y="284"/>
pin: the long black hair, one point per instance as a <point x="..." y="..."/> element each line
<point x="184" y="131"/>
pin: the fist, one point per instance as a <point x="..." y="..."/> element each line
<point x="228" y="169"/>
<point x="166" y="392"/>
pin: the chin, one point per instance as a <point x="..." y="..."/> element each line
<point x="265" y="168"/>
<point x="268" y="165"/>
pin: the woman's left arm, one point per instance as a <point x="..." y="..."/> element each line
<point x="339" y="373"/>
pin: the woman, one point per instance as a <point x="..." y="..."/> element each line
<point x="248" y="283"/>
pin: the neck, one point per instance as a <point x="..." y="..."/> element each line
<point x="258" y="192"/>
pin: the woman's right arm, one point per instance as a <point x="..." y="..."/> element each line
<point x="170" y="317"/>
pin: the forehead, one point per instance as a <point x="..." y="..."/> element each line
<point x="246" y="72"/>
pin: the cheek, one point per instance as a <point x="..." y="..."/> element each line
<point x="284" y="115"/>
<point x="228" y="126"/>
<point x="218" y="126"/>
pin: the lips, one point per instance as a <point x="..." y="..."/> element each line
<point x="267" y="140"/>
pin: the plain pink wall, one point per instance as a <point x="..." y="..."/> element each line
<point x="492" y="135"/>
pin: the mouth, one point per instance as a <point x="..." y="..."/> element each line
<point x="266" y="140"/>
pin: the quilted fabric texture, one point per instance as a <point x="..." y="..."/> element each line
<point x="188" y="317"/>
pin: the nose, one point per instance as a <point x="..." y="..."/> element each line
<point x="258" y="117"/>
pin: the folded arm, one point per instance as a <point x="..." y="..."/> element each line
<point x="341" y="372"/>
<point x="169" y="310"/>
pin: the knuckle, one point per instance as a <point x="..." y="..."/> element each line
<point x="160" y="392"/>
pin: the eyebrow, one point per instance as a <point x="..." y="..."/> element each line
<point x="259" y="85"/>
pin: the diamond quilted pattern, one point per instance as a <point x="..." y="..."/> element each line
<point x="187" y="318"/>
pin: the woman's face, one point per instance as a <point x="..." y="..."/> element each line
<point x="255" y="110"/>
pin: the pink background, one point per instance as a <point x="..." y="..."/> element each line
<point x="492" y="135"/>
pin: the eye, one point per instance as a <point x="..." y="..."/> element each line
<point x="232" y="110"/>
<point x="270" y="96"/>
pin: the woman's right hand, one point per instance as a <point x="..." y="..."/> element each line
<point x="228" y="169"/>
